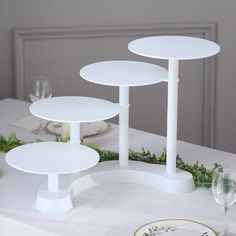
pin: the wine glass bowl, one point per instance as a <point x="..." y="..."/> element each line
<point x="40" y="89"/>
<point x="224" y="190"/>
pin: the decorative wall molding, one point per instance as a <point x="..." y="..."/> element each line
<point x="206" y="29"/>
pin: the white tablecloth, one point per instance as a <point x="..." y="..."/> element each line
<point x="113" y="209"/>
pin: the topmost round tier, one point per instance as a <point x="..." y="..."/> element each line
<point x="174" y="47"/>
<point x="124" y="73"/>
<point x="74" y="109"/>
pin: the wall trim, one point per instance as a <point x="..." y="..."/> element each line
<point x="207" y="29"/>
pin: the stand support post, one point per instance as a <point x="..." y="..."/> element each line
<point x="53" y="183"/>
<point x="124" y="126"/>
<point x="75" y="132"/>
<point x="172" y="110"/>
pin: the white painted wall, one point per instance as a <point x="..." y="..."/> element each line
<point x="43" y="13"/>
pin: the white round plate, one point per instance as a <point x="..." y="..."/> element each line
<point x="124" y="73"/>
<point x="88" y="129"/>
<point x="74" y="109"/>
<point x="52" y="157"/>
<point x="174" y="47"/>
<point x="175" y="227"/>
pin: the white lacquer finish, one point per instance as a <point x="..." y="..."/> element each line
<point x="173" y="48"/>
<point x="74" y="109"/>
<point x="75" y="132"/>
<point x="124" y="126"/>
<point x="111" y="173"/>
<point x="172" y="110"/>
<point x="124" y="74"/>
<point x="136" y="173"/>
<point x="52" y="159"/>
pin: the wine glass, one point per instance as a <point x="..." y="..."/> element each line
<point x="224" y="191"/>
<point x="40" y="89"/>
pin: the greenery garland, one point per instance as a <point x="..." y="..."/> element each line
<point x="10" y="142"/>
<point x="201" y="175"/>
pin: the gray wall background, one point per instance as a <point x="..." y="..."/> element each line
<point x="53" y="13"/>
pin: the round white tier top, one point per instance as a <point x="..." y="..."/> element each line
<point x="52" y="158"/>
<point x="174" y="47"/>
<point x="124" y="73"/>
<point x="74" y="109"/>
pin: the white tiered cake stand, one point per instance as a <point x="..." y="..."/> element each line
<point x="54" y="158"/>
<point x="125" y="74"/>
<point x="173" y="48"/>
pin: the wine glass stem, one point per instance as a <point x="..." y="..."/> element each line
<point x="226" y="228"/>
<point x="41" y="127"/>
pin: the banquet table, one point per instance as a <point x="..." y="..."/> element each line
<point x="111" y="209"/>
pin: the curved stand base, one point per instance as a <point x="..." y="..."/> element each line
<point x="110" y="172"/>
<point x="53" y="202"/>
<point x="135" y="173"/>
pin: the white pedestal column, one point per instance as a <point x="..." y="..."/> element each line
<point x="124" y="126"/>
<point x="172" y="111"/>
<point x="75" y="132"/>
<point x="53" y="185"/>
